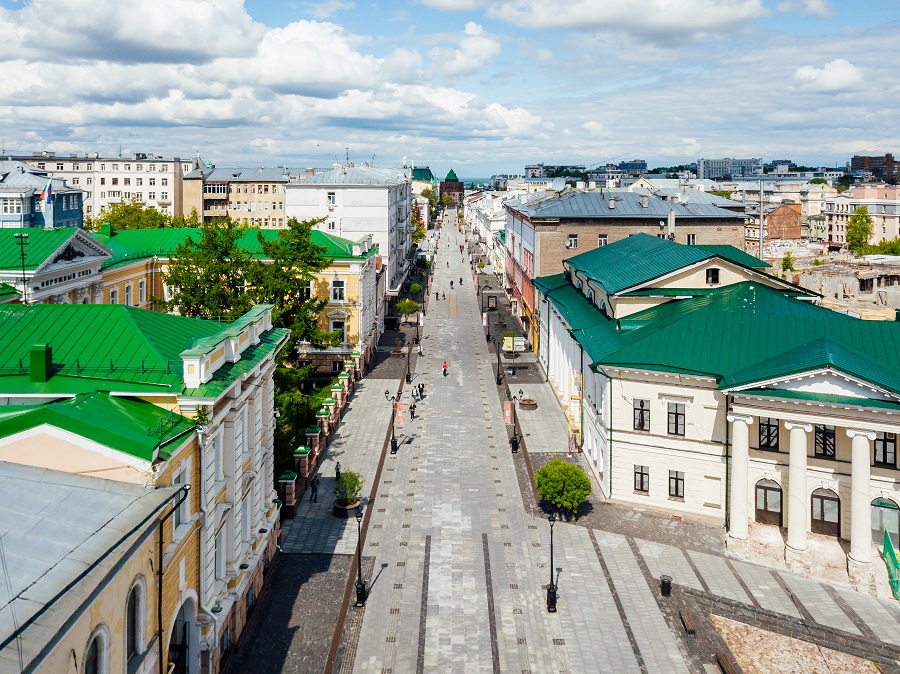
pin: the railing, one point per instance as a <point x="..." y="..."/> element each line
<point x="91" y="368"/>
<point x="135" y="255"/>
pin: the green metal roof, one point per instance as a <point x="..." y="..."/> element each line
<point x="41" y="244"/>
<point x="735" y="255"/>
<point x="641" y="258"/>
<point x="820" y="398"/>
<point x="111" y="348"/>
<point x="7" y="293"/>
<point x="423" y="173"/>
<point x="134" y="427"/>
<point x="451" y="177"/>
<point x="136" y="244"/>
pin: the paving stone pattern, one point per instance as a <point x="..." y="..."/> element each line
<point x="545" y="429"/>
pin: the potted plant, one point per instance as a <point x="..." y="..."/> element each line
<point x="346" y="493"/>
<point x="398" y="344"/>
<point x="501" y="319"/>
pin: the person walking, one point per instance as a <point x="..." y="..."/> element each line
<point x="444" y="367"/>
<point x="314" y="490"/>
<point x="337" y="471"/>
<point x="436" y="297"/>
<point x="421" y="390"/>
<point x="412" y="411"/>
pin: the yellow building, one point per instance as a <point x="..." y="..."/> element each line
<point x="132" y="276"/>
<point x="252" y="197"/>
<point x="163" y="370"/>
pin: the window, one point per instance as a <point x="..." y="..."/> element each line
<point x="92" y="657"/>
<point x="330" y="198"/>
<point x="142" y="292"/>
<point x="306" y="290"/>
<point x="176" y="516"/>
<point x="152" y="182"/>
<point x="115" y="181"/>
<point x="692" y="239"/>
<point x="165" y="182"/>
<point x="885" y="449"/>
<point x="337" y="290"/>
<point x="676" y="484"/>
<point x="164" y="196"/>
<point x="641" y="415"/>
<point x="132" y="625"/>
<point x="602" y="240"/>
<point x="572" y="241"/>
<point x="102" y="181"/>
<point x="59" y="166"/>
<point x="824" y="441"/>
<point x="337" y="366"/>
<point x="768" y="433"/>
<point x="676" y="418"/>
<point x="712" y="276"/>
<point x="220" y="554"/>
<point x="339" y="327"/>
<point x="114" y="296"/>
<point x="331" y="225"/>
<point x="642" y="479"/>
<point x="128" y="295"/>
<point x="90" y="181"/>
<point x="151" y="196"/>
<point x="115" y="167"/>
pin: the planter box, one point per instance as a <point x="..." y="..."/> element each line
<point x="344" y="512"/>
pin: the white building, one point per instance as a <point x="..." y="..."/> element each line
<point x="699" y="384"/>
<point x="356" y="201"/>
<point x="882" y="202"/>
<point x="152" y="180"/>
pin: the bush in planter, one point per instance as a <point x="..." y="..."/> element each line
<point x="407" y="307"/>
<point x="415" y="289"/>
<point x="504" y="335"/>
<point x="565" y="485"/>
<point x="346" y="491"/>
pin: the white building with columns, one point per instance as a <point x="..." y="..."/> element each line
<point x="697" y="383"/>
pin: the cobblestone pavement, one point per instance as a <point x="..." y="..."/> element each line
<point x="463" y="566"/>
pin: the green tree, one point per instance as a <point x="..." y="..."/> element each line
<point x="725" y="194"/>
<point x="192" y="220"/>
<point x="818" y="181"/>
<point x="429" y="194"/>
<point x="407" y="307"/>
<point x="209" y="276"/>
<point x="284" y="283"/>
<point x="844" y="182"/>
<point x="787" y="262"/>
<point x="564" y="485"/>
<point x="346" y="491"/>
<point x="445" y="200"/>
<point x="128" y="215"/>
<point x="859" y="230"/>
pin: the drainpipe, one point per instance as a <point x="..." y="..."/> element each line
<point x="204" y="514"/>
<point x="727" y="462"/>
<point x="159" y="571"/>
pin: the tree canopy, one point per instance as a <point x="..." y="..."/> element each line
<point x="859" y="230"/>
<point x="563" y="484"/>
<point x="132" y="215"/>
<point x="429" y="194"/>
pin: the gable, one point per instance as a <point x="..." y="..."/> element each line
<point x="828" y="381"/>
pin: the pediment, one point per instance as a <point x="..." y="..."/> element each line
<point x="825" y="381"/>
<point x="79" y="247"/>
<point x="338" y="313"/>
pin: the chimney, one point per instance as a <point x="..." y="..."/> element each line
<point x="106" y="229"/>
<point x="645" y="201"/>
<point x="612" y="202"/>
<point x="41" y="363"/>
<point x="310" y="172"/>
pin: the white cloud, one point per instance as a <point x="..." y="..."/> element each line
<point x="456" y="5"/>
<point x="596" y="129"/>
<point x="837" y="75"/>
<point x="475" y="51"/>
<point x="665" y="21"/>
<point x="323" y="10"/>
<point x="821" y="8"/>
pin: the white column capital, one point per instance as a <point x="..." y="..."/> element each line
<point x="791" y="425"/>
<point x="740" y="417"/>
<point x="854" y="433"/>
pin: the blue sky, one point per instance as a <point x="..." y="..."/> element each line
<point x="485" y="87"/>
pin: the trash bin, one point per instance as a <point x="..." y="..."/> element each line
<point x="665" y="585"/>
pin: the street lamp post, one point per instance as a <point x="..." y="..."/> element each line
<point x="360" y="583"/>
<point x="408" y="356"/>
<point x="499" y="364"/>
<point x="551" y="589"/>
<point x="514" y="440"/>
<point x="393" y="399"/>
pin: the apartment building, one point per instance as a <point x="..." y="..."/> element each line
<point x="29" y="197"/>
<point x="151" y="180"/>
<point x="251" y="196"/>
<point x="881" y="200"/>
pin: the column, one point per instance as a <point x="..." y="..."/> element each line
<point x="798" y="503"/>
<point x="860" y="526"/>
<point x="740" y="476"/>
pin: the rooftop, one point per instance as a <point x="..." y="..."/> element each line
<point x="39" y="244"/>
<point x="596" y="205"/>
<point x="16" y="174"/>
<point x="355" y="175"/>
<point x="259" y="174"/>
<point x="62" y="536"/>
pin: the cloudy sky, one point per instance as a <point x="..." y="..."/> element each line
<point x="484" y="87"/>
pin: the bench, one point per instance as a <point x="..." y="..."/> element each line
<point x="688" y="621"/>
<point x="724" y="663"/>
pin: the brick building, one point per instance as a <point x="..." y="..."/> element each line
<point x="541" y="233"/>
<point x="884" y="167"/>
<point x="454" y="187"/>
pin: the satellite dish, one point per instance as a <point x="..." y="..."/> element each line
<point x="558" y="185"/>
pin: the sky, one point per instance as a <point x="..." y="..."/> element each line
<point x="482" y="87"/>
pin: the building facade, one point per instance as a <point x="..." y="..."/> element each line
<point x="151" y="180"/>
<point x="681" y="399"/>
<point x="29" y="197"/>
<point x="360" y="201"/>
<point x="253" y="197"/>
<point x="882" y="202"/>
<point x="454" y="188"/>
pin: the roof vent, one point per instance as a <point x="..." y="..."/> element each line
<point x="41" y="363"/>
<point x="612" y="202"/>
<point x="645" y="201"/>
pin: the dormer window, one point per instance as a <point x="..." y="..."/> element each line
<point x="712" y="276"/>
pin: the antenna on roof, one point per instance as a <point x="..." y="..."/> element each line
<point x="348" y="155"/>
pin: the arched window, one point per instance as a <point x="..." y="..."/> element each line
<point x="768" y="502"/>
<point x="826" y="513"/>
<point x="135" y="626"/>
<point x="92" y="657"/>
<point x="885" y="518"/>
<point x="96" y="655"/>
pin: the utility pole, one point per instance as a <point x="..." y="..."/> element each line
<point x="762" y="216"/>
<point x="22" y="239"/>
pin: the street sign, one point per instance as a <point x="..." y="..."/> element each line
<point x="492" y="301"/>
<point x="507" y="412"/>
<point x="507" y="343"/>
<point x="518" y="344"/>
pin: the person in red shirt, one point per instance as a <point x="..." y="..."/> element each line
<point x="444" y="366"/>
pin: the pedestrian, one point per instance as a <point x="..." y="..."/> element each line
<point x="451" y="285"/>
<point x="436" y="298"/>
<point x="443" y="295"/>
<point x="412" y="411"/>
<point x="415" y="389"/>
<point x="421" y="390"/>
<point x="337" y="472"/>
<point x="314" y="490"/>
<point x="460" y="280"/>
<point x="444" y="367"/>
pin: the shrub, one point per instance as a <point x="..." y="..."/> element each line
<point x="481" y="265"/>
<point x="564" y="485"/>
<point x="506" y="333"/>
<point x="407" y="307"/>
<point x="415" y="289"/>
<point x="346" y="491"/>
